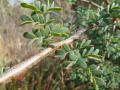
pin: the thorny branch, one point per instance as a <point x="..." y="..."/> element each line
<point x="24" y="66"/>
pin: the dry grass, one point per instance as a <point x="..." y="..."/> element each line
<point x="13" y="47"/>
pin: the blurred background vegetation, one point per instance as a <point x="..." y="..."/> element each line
<point x="13" y="47"/>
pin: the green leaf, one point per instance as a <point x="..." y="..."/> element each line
<point x="84" y="52"/>
<point x="66" y="47"/>
<point x="61" y="53"/>
<point x="49" y="22"/>
<point x="115" y="12"/>
<point x="94" y="57"/>
<point x="53" y="4"/>
<point x="77" y="53"/>
<point x="91" y="50"/>
<point x="29" y="35"/>
<point x="96" y="87"/>
<point x="1" y="70"/>
<point x="25" y="18"/>
<point x="48" y="3"/>
<point x="82" y="43"/>
<point x="55" y="9"/>
<point x="96" y="52"/>
<point x="100" y="81"/>
<point x="87" y="43"/>
<point x="73" y="76"/>
<point x="35" y="17"/>
<point x="25" y="5"/>
<point x="82" y="63"/>
<point x="37" y="32"/>
<point x="58" y="28"/>
<point x="97" y="72"/>
<point x="93" y="67"/>
<point x="111" y="49"/>
<point x="116" y="8"/>
<point x="73" y="56"/>
<point x="26" y="22"/>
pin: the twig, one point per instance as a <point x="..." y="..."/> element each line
<point x="69" y="66"/>
<point x="107" y="2"/>
<point x="62" y="81"/>
<point x="24" y="66"/>
<point x="92" y="3"/>
<point x="49" y="81"/>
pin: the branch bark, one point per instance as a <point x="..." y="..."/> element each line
<point x="107" y="2"/>
<point x="24" y="66"/>
<point x="92" y="3"/>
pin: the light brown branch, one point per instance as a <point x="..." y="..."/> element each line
<point x="24" y="66"/>
<point x="107" y="2"/>
<point x="70" y="66"/>
<point x="92" y="3"/>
